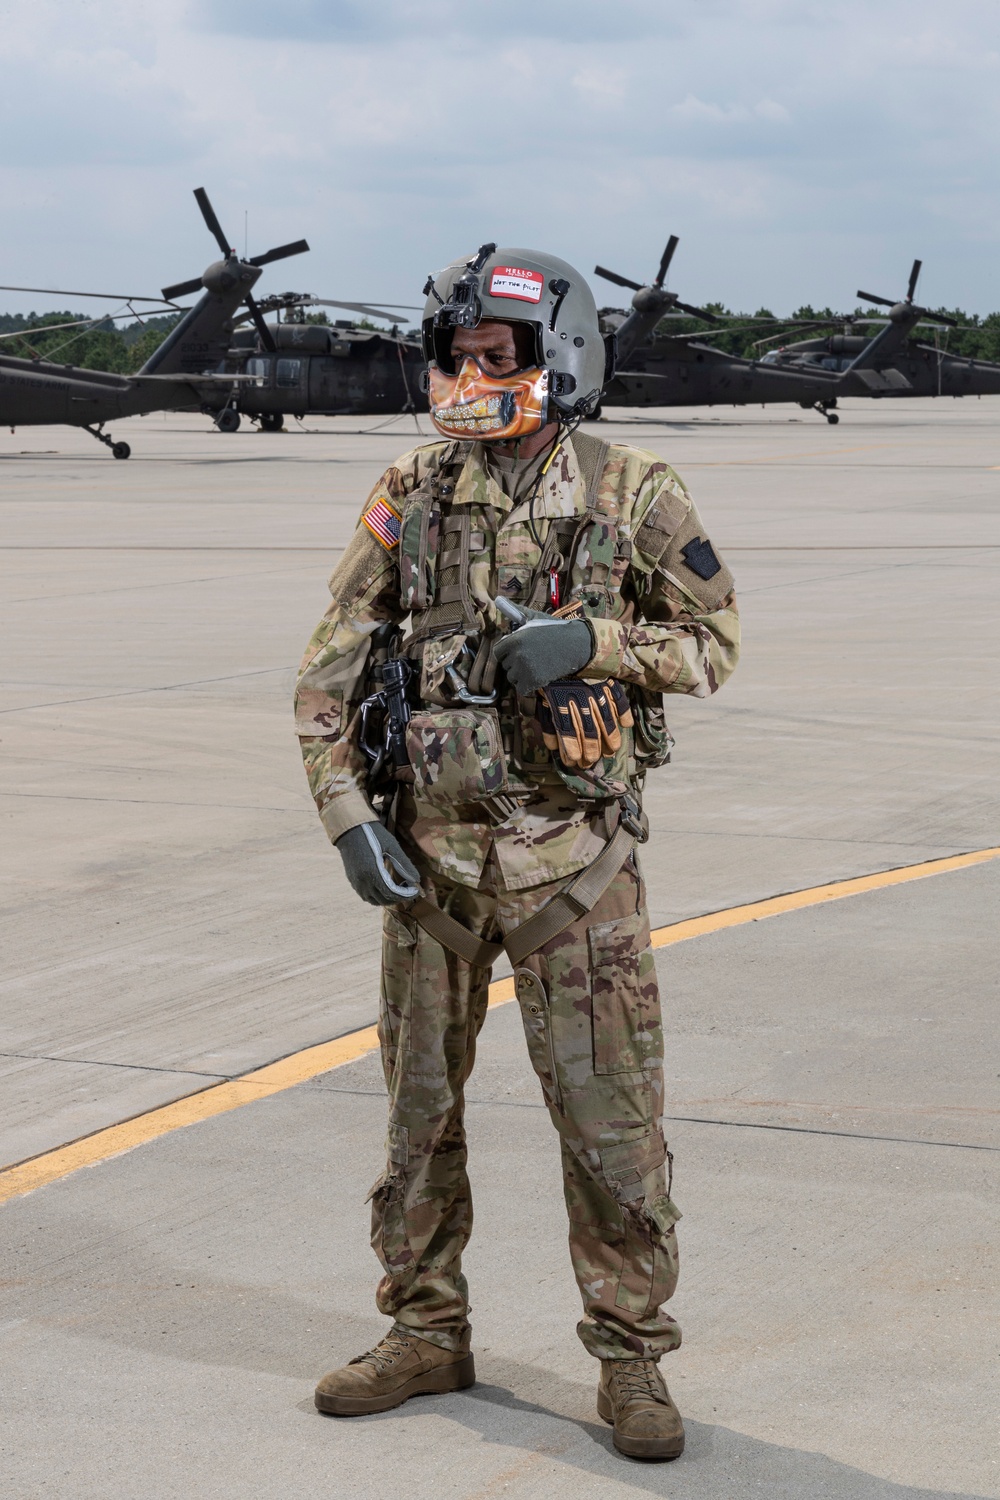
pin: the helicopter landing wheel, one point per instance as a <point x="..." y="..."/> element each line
<point x="228" y="419"/>
<point x="120" y="450"/>
<point x="832" y="418"/>
<point x="272" y="421"/>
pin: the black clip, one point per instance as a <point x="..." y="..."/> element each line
<point x="630" y="818"/>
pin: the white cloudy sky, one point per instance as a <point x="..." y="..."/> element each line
<point x="800" y="148"/>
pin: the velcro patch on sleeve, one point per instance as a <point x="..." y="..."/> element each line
<point x="664" y="517"/>
<point x="701" y="559"/>
<point x="383" y="522"/>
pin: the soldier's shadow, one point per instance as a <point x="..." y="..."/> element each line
<point x="562" y="1427"/>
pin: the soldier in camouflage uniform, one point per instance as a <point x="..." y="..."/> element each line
<point x="510" y="798"/>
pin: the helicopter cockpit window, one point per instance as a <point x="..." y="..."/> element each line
<point x="260" y="369"/>
<point x="288" y="372"/>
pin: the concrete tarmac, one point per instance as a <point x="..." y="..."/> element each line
<point x="174" y="915"/>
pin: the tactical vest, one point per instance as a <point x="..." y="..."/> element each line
<point x="464" y="715"/>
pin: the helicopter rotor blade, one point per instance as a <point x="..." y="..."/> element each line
<point x="665" y="259"/>
<point x="55" y="291"/>
<point x="208" y="214"/>
<point x="297" y="247"/>
<point x="263" y="332"/>
<point x="697" y="312"/>
<point x="366" y="309"/>
<point x="913" y="280"/>
<point x="636" y="286"/>
<point x="183" y="288"/>
<point x="329" y="302"/>
<point x="870" y="297"/>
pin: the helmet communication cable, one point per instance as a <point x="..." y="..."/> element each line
<point x="565" y="431"/>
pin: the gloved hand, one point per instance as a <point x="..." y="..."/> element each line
<point x="581" y="720"/>
<point x="376" y="866"/>
<point x="543" y="650"/>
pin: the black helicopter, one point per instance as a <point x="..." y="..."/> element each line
<point x="685" y="369"/>
<point x="187" y="371"/>
<point x="298" y="367"/>
<point x="892" y="363"/>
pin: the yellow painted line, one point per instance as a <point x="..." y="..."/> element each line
<point x="815" y="895"/>
<point x="220" y="1098"/>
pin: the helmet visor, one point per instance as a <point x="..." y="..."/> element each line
<point x="494" y="408"/>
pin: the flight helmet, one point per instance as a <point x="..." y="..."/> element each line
<point x="570" y="362"/>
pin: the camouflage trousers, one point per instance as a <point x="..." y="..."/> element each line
<point x="591" y="1014"/>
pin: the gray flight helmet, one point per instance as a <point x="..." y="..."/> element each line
<point x="512" y="285"/>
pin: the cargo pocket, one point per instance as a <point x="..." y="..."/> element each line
<point x="663" y="1214"/>
<point x="634" y="1173"/>
<point x="626" y="1001"/>
<point x="389" y="1236"/>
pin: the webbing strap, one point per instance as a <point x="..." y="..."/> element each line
<point x="591" y="455"/>
<point x="453" y="935"/>
<point x="579" y="897"/>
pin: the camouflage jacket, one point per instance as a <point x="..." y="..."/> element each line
<point x="658" y="600"/>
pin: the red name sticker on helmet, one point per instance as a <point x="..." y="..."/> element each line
<point x="515" y="281"/>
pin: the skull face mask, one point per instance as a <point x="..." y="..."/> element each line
<point x="493" y="408"/>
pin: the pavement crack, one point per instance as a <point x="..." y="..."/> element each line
<point x="850" y="1135"/>
<point x="91" y="1062"/>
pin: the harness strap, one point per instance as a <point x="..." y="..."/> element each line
<point x="452" y="934"/>
<point x="591" y="455"/>
<point x="579" y="897"/>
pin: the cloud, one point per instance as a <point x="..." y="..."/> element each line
<point x="798" y="149"/>
<point x="601" y="85"/>
<point x="694" y="111"/>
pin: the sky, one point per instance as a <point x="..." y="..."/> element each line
<point x="801" y="149"/>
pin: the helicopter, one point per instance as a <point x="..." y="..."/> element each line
<point x="300" y="367"/>
<point x="893" y="364"/>
<point x="182" y="374"/>
<point x="656" y="369"/>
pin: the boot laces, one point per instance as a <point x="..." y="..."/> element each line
<point x="385" y="1354"/>
<point x="638" y="1377"/>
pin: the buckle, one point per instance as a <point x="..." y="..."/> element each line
<point x="630" y="818"/>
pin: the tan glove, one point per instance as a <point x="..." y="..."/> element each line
<point x="582" y="721"/>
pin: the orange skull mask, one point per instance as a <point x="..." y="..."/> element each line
<point x="492" y="408"/>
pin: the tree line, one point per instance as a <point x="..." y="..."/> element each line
<point x="100" y="346"/>
<point x="104" y="346"/>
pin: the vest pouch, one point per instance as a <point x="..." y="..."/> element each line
<point x="652" y="741"/>
<point x="456" y="755"/>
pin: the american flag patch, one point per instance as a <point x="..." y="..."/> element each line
<point x="383" y="522"/>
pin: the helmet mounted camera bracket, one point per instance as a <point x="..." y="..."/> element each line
<point x="464" y="308"/>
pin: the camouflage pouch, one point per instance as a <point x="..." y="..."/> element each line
<point x="652" y="741"/>
<point x="456" y="755"/>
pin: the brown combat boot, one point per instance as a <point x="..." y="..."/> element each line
<point x="399" y="1367"/>
<point x="632" y="1396"/>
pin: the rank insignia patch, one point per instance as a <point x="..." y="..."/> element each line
<point x="383" y="522"/>
<point x="701" y="558"/>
